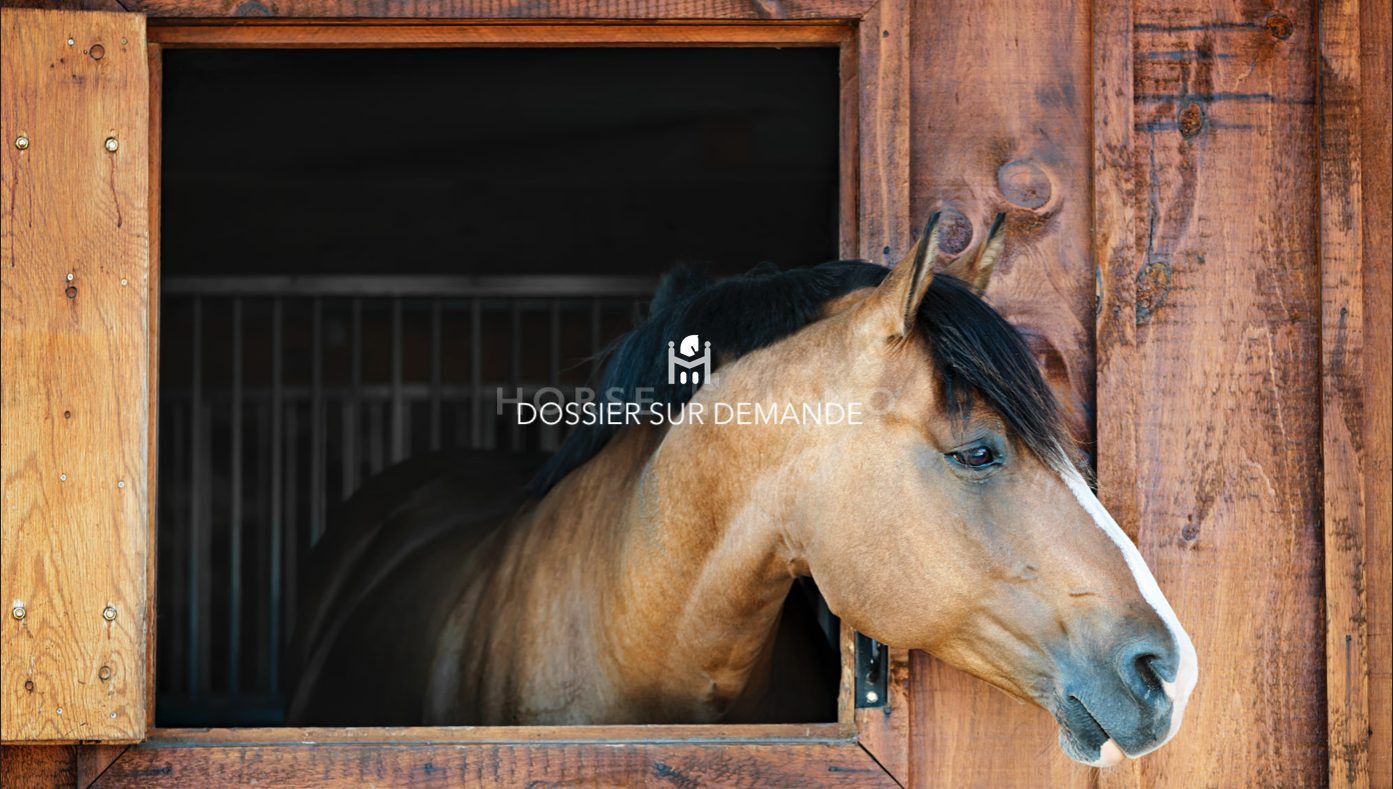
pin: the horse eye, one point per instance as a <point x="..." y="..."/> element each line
<point x="975" y="457"/>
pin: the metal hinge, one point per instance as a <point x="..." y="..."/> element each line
<point x="872" y="670"/>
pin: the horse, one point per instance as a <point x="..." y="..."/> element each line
<point x="643" y="575"/>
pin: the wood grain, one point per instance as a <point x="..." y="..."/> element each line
<point x="417" y="36"/>
<point x="884" y="231"/>
<point x="1345" y="429"/>
<point x="1007" y="129"/>
<point x="631" y="764"/>
<point x="1209" y="371"/>
<point x="1001" y="123"/>
<point x="76" y="360"/>
<point x="26" y="766"/>
<point x="505" y="9"/>
<point x="508" y="735"/>
<point x="155" y="59"/>
<point x="1376" y="147"/>
<point x="885" y="227"/>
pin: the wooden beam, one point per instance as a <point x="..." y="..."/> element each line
<point x="380" y="36"/>
<point x="1001" y="123"/>
<point x="1209" y="364"/>
<point x="1355" y="339"/>
<point x="75" y="350"/>
<point x="626" y="764"/>
<point x="505" y="9"/>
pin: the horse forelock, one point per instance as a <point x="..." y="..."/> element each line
<point x="977" y="353"/>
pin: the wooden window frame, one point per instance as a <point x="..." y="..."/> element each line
<point x="862" y="745"/>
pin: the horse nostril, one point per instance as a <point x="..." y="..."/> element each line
<point x="1145" y="667"/>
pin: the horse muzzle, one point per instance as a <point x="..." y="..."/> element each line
<point x="1125" y="705"/>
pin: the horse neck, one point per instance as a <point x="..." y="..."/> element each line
<point x="698" y="571"/>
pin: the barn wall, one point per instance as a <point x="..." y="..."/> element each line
<point x="1201" y="137"/>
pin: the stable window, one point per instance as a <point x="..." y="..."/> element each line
<point x="293" y="268"/>
<point x="361" y="249"/>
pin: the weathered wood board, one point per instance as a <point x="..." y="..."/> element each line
<point x="1209" y="364"/>
<point x="75" y="351"/>
<point x="1000" y="122"/>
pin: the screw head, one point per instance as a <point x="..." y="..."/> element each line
<point x="112" y="144"/>
<point x="72" y="41"/>
<point x="62" y="477"/>
<point x="71" y="277"/>
<point x="104" y="673"/>
<point x="22" y="142"/>
<point x="124" y="281"/>
<point x="18" y="611"/>
<point x="872" y="697"/>
<point x="120" y="483"/>
<point x="109" y="613"/>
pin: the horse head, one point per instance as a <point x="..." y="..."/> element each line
<point x="953" y="519"/>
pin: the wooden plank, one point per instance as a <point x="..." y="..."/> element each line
<point x="74" y="345"/>
<point x="883" y="133"/>
<point x="1345" y="430"/>
<point x="378" y="36"/>
<point x="506" y="735"/>
<point x="55" y="765"/>
<point x="1007" y="129"/>
<point x="156" y="65"/>
<point x="1376" y="146"/>
<point x="883" y="233"/>
<point x="630" y="764"/>
<point x="1208" y="358"/>
<point x="504" y="9"/>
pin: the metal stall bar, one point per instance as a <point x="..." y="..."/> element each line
<point x="234" y="624"/>
<point x="595" y="341"/>
<point x="352" y="417"/>
<point x="292" y="516"/>
<point x="476" y="374"/>
<point x="317" y="424"/>
<point x="399" y="431"/>
<point x="196" y="497"/>
<point x="514" y="370"/>
<point x="435" y="374"/>
<point x="277" y="481"/>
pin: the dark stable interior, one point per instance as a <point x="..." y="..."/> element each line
<point x="524" y="164"/>
<point x="481" y="161"/>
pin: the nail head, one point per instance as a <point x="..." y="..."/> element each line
<point x="62" y="477"/>
<point x="120" y="483"/>
<point x="872" y="697"/>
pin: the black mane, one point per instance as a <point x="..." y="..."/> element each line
<point x="977" y="353"/>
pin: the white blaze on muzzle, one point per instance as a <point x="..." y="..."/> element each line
<point x="1187" y="672"/>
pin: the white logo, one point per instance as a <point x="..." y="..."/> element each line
<point x="686" y="358"/>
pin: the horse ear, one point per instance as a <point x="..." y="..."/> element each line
<point x="896" y="299"/>
<point x="976" y="270"/>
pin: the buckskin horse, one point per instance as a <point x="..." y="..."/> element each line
<point x="643" y="575"/>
